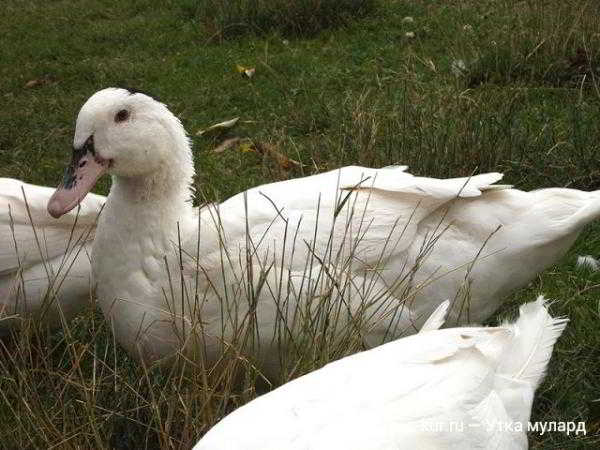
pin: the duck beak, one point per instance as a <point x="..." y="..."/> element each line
<point x="80" y="177"/>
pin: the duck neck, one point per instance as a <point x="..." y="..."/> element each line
<point x="156" y="202"/>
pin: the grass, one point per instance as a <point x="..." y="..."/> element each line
<point x="225" y="20"/>
<point x="353" y="89"/>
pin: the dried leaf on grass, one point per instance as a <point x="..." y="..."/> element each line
<point x="282" y="160"/>
<point x="219" y="127"/>
<point x="246" y="72"/>
<point x="248" y="145"/>
<point x="39" y="82"/>
<point x="226" y="144"/>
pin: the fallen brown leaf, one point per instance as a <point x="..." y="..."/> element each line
<point x="38" y="82"/>
<point x="226" y="144"/>
<point x="34" y="83"/>
<point x="282" y="160"/>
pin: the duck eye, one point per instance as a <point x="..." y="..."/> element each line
<point x="122" y="116"/>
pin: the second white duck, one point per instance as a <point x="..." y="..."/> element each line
<point x="44" y="263"/>
<point x="458" y="388"/>
<point x="372" y="249"/>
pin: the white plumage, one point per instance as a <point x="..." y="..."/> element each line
<point x="588" y="262"/>
<point x="44" y="267"/>
<point x="457" y="388"/>
<point x="373" y="249"/>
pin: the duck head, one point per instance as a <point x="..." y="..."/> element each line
<point x="125" y="133"/>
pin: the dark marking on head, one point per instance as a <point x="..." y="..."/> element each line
<point x="133" y="91"/>
<point x="69" y="178"/>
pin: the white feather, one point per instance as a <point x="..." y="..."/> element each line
<point x="437" y="317"/>
<point x="534" y="335"/>
<point x="588" y="262"/>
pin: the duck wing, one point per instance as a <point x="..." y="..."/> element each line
<point x="29" y="234"/>
<point x="44" y="263"/>
<point x="359" y="213"/>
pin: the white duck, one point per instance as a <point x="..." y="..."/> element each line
<point x="372" y="251"/>
<point x="457" y="388"/>
<point x="44" y="263"/>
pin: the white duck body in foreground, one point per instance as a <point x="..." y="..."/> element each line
<point x="374" y="249"/>
<point x="44" y="268"/>
<point x="457" y="388"/>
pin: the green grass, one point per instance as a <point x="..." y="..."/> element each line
<point x="225" y="20"/>
<point x="344" y="87"/>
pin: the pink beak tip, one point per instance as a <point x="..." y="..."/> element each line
<point x="55" y="208"/>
